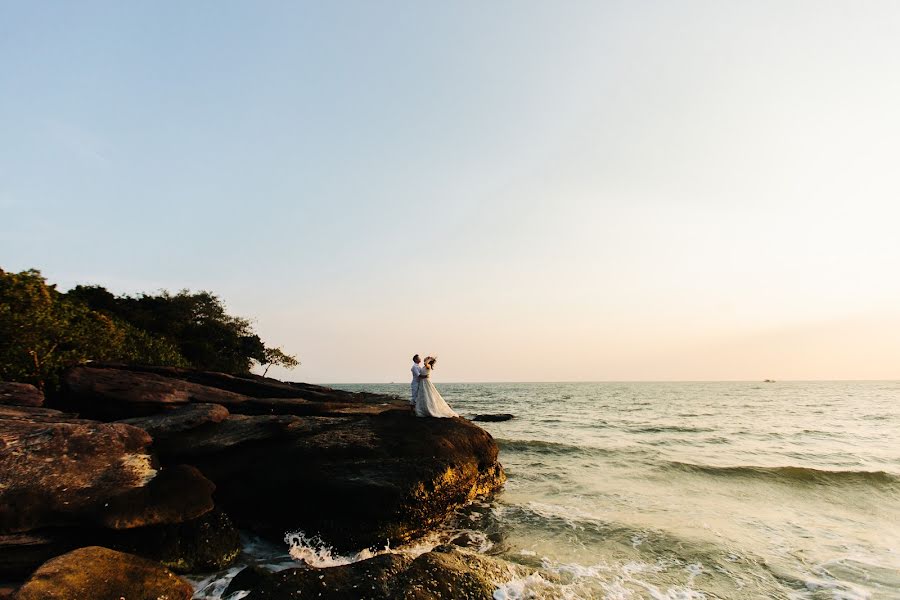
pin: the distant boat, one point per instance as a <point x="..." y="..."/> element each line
<point x="768" y="381"/>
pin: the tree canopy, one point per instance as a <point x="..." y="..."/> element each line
<point x="43" y="330"/>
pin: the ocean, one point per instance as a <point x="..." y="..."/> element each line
<point x="677" y="490"/>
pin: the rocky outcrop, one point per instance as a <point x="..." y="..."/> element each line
<point x="130" y="459"/>
<point x="67" y="482"/>
<point x="356" y="469"/>
<point x="442" y="573"/>
<point x="103" y="574"/>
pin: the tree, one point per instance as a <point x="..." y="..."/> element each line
<point x="197" y="323"/>
<point x="42" y="332"/>
<point x="275" y="356"/>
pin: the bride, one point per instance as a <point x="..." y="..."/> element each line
<point x="428" y="401"/>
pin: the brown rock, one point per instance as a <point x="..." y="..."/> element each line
<point x="103" y="574"/>
<point x="442" y="573"/>
<point x="20" y="394"/>
<point x="111" y="394"/>
<point x="357" y="469"/>
<point x="357" y="481"/>
<point x="90" y="473"/>
<point x="168" y="425"/>
<point x="371" y="579"/>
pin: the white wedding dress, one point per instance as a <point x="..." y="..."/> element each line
<point x="429" y="402"/>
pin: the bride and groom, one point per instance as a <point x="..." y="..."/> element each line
<point x="425" y="399"/>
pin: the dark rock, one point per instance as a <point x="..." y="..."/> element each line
<point x="38" y="415"/>
<point x="21" y="553"/>
<point x="103" y="574"/>
<point x="236" y="431"/>
<point x="208" y="543"/>
<point x="370" y="579"/>
<point x="493" y="418"/>
<point x="253" y="386"/>
<point x="168" y="425"/>
<point x="86" y="472"/>
<point x="450" y="575"/>
<point x="357" y="482"/>
<point x="111" y="394"/>
<point x="442" y="573"/>
<point x="358" y="470"/>
<point x="20" y="394"/>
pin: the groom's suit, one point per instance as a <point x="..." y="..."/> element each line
<point x="414" y="386"/>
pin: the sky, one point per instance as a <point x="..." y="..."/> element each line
<point x="533" y="191"/>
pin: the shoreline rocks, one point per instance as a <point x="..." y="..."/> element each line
<point x="167" y="463"/>
<point x="444" y="572"/>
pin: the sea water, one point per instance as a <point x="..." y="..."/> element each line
<point x="681" y="490"/>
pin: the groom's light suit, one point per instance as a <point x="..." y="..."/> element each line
<point x="414" y="386"/>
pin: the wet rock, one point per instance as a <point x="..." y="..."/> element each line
<point x="449" y="573"/>
<point x="442" y="573"/>
<point x="493" y="418"/>
<point x="20" y="394"/>
<point x="370" y="579"/>
<point x="103" y="574"/>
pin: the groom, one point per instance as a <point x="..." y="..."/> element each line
<point x="417" y="374"/>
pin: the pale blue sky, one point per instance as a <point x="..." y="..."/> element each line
<point x="532" y="190"/>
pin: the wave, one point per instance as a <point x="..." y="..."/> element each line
<point x="793" y="474"/>
<point x="669" y="429"/>
<point x="560" y="449"/>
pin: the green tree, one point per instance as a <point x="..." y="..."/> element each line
<point x="277" y="357"/>
<point x="197" y="323"/>
<point x="42" y="331"/>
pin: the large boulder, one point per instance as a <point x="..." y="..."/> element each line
<point x="103" y="574"/>
<point x="63" y="473"/>
<point x="361" y="481"/>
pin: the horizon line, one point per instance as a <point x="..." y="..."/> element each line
<point x="632" y="381"/>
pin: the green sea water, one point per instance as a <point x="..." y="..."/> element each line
<point x="682" y="490"/>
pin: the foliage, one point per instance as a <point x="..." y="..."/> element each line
<point x="277" y="357"/>
<point x="207" y="336"/>
<point x="42" y="331"/>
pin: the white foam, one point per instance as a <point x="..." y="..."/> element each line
<point x="314" y="552"/>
